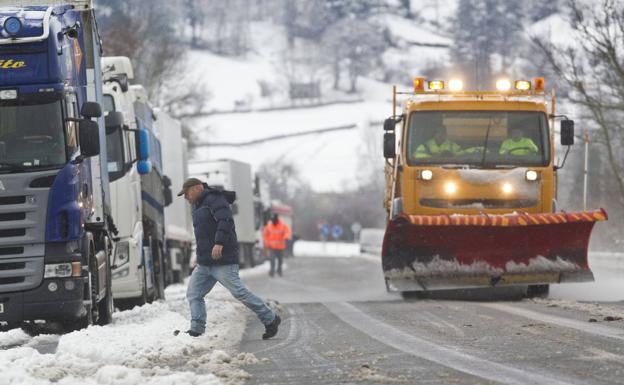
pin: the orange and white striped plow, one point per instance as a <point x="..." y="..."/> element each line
<point x="432" y="252"/>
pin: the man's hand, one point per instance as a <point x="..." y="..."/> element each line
<point x="217" y="251"/>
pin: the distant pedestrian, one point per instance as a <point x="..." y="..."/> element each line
<point x="276" y="234"/>
<point x="217" y="256"/>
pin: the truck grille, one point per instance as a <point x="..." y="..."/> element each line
<point x="20" y="274"/>
<point x="12" y="200"/>
<point x="476" y="204"/>
<point x="12" y="233"/>
<point x="12" y="217"/>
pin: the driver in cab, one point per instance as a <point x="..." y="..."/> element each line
<point x="518" y="144"/>
<point x="438" y="145"/>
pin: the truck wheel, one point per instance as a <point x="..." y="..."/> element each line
<point x="106" y="306"/>
<point x="160" y="273"/>
<point x="249" y="256"/>
<point x="90" y="292"/>
<point x="538" y="291"/>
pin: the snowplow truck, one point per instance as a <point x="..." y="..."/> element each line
<point x="471" y="188"/>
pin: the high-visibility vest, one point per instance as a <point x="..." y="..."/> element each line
<point x="275" y="236"/>
<point x="432" y="148"/>
<point x="524" y="146"/>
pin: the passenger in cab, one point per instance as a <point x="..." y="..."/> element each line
<point x="518" y="144"/>
<point x="438" y="145"/>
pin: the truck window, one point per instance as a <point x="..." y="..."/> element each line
<point x="32" y="136"/>
<point x="108" y="104"/>
<point x="478" y="138"/>
<point x="71" y="108"/>
<point x="116" y="157"/>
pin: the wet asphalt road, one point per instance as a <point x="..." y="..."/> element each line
<point x="341" y="327"/>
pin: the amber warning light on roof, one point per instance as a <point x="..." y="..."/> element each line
<point x="502" y="85"/>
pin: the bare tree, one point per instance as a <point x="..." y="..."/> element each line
<point x="594" y="73"/>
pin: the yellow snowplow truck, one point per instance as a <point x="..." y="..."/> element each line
<point x="471" y="188"/>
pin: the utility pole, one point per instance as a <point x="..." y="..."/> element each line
<point x="585" y="169"/>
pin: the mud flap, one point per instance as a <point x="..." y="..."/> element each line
<point x="433" y="252"/>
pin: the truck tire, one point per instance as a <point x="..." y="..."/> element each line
<point x="106" y="306"/>
<point x="90" y="288"/>
<point x="160" y="271"/>
<point x="538" y="291"/>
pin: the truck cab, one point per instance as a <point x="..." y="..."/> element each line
<point x="138" y="188"/>
<point x="54" y="219"/>
<point x="471" y="187"/>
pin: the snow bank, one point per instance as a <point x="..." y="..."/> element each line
<point x="326" y="249"/>
<point x="138" y="348"/>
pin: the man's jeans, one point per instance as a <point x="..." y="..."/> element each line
<point x="203" y="280"/>
<point x="279" y="255"/>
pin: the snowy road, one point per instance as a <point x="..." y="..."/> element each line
<point x="341" y="327"/>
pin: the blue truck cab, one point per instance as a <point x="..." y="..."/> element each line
<point x="54" y="222"/>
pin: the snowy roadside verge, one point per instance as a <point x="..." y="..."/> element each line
<point x="138" y="348"/>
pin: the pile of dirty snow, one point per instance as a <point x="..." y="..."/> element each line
<point x="137" y="348"/>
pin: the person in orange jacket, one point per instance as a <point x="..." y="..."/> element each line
<point x="275" y="235"/>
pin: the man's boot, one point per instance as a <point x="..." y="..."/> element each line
<point x="271" y="329"/>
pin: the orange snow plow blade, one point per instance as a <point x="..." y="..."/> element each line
<point x="436" y="252"/>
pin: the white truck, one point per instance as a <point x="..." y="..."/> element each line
<point x="138" y="191"/>
<point x="234" y="175"/>
<point x="178" y="220"/>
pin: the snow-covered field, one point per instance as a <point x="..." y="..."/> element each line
<point x="138" y="348"/>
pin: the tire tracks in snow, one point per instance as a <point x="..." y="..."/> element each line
<point x="451" y="357"/>
<point x="585" y="327"/>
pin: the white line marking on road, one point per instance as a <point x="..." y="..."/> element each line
<point x="598" y="330"/>
<point x="450" y="357"/>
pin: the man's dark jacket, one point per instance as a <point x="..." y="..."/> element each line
<point x="214" y="224"/>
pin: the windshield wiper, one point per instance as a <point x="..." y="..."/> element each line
<point x="487" y="138"/>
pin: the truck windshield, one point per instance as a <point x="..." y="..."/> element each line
<point x="478" y="138"/>
<point x="32" y="136"/>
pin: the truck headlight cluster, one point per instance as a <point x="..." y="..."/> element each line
<point x="426" y="174"/>
<point x="62" y="270"/>
<point x="507" y="188"/>
<point x="122" y="253"/>
<point x="450" y="188"/>
<point x="531" y="175"/>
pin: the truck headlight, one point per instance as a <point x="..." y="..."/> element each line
<point x="62" y="270"/>
<point x="507" y="188"/>
<point x="531" y="175"/>
<point x="122" y="253"/>
<point x="426" y="174"/>
<point x="450" y="188"/>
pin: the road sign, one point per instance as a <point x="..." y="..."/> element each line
<point x="337" y="231"/>
<point x="325" y="229"/>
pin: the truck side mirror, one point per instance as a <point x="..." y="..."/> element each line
<point x="389" y="145"/>
<point x="91" y="110"/>
<point x="168" y="196"/>
<point x="567" y="132"/>
<point x="143" y="144"/>
<point x="89" y="137"/>
<point x="113" y="122"/>
<point x="144" y="167"/>
<point x="389" y="124"/>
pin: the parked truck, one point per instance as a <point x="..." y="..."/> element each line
<point x="234" y="175"/>
<point x="139" y="191"/>
<point x="471" y="193"/>
<point x="55" y="219"/>
<point x="178" y="221"/>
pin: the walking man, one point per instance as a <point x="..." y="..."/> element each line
<point x="275" y="235"/>
<point x="217" y="256"/>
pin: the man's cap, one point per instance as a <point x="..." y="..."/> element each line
<point x="188" y="184"/>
